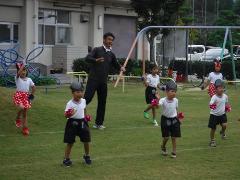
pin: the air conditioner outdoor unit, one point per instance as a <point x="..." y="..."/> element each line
<point x="84" y="18"/>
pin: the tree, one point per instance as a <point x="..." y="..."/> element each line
<point x="237" y="7"/>
<point x="155" y="13"/>
<point x="226" y="18"/>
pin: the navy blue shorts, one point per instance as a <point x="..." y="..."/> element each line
<point x="150" y="94"/>
<point x="215" y="120"/>
<point x="76" y="127"/>
<point x="170" y="127"/>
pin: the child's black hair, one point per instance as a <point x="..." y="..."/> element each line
<point x="76" y="86"/>
<point x="108" y="34"/>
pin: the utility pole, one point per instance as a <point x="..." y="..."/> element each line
<point x="217" y="8"/>
<point x="193" y="11"/>
<point x="205" y="12"/>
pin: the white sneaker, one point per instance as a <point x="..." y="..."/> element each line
<point x="101" y="127"/>
<point x="173" y="155"/>
<point x="95" y="126"/>
<point x="155" y="122"/>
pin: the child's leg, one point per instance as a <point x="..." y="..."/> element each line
<point x="86" y="148"/>
<point x="148" y="108"/>
<point x="174" y="145"/>
<point x="24" y="117"/>
<point x="154" y="113"/>
<point x="19" y="113"/>
<point x="212" y="134"/>
<point x="165" y="140"/>
<point x="224" y="126"/>
<point x="68" y="151"/>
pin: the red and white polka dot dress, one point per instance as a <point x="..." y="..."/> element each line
<point x="213" y="76"/>
<point x="21" y="99"/>
<point x="211" y="90"/>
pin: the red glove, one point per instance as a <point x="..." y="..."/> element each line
<point x="213" y="106"/>
<point x="88" y="118"/>
<point x="69" y="113"/>
<point x="180" y="115"/>
<point x="228" y="108"/>
<point x="154" y="102"/>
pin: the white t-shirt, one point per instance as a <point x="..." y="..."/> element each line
<point x="78" y="107"/>
<point x="23" y="85"/>
<point x="169" y="107"/>
<point x="153" y="81"/>
<point x="220" y="102"/>
<point x="214" y="76"/>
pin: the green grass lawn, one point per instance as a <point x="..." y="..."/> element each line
<point x="128" y="149"/>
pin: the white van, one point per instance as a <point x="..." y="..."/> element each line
<point x="215" y="53"/>
<point x="196" y="52"/>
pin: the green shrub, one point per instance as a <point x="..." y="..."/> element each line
<point x="44" y="80"/>
<point x="204" y="68"/>
<point x="134" y="67"/>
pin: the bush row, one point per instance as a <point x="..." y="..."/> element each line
<point x="204" y="68"/>
<point x="134" y="67"/>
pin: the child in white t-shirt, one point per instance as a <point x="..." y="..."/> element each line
<point x="219" y="106"/>
<point x="212" y="77"/>
<point x="171" y="119"/>
<point x="23" y="97"/>
<point x="77" y="124"/>
<point x="152" y="81"/>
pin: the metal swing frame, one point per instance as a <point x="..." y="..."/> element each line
<point x="228" y="33"/>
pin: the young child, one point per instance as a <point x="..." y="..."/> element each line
<point x="22" y="97"/>
<point x="213" y="76"/>
<point x="77" y="124"/>
<point x="219" y="106"/>
<point x="171" y="119"/>
<point x="152" y="81"/>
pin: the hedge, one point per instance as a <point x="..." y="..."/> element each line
<point x="204" y="68"/>
<point x="134" y="67"/>
<point x="38" y="81"/>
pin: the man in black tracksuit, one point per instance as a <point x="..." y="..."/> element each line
<point x="100" y="59"/>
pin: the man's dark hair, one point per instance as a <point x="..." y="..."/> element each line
<point x="108" y="34"/>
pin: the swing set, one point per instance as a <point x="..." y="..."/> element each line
<point x="142" y="33"/>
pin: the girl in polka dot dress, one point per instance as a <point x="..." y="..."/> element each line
<point x="22" y="97"/>
<point x="213" y="76"/>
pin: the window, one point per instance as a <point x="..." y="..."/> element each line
<point x="15" y="32"/>
<point x="54" y="27"/>
<point x="5" y="33"/>
<point x="50" y="35"/>
<point x="64" y="35"/>
<point x="63" y="17"/>
<point x="8" y="32"/>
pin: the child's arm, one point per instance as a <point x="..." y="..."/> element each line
<point x="21" y="67"/>
<point x="180" y="115"/>
<point x="69" y="111"/>
<point x="205" y="84"/>
<point x="212" y="103"/>
<point x="87" y="117"/>
<point x="145" y="81"/>
<point x="228" y="107"/>
<point x="33" y="90"/>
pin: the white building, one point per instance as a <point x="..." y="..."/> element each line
<point x="65" y="28"/>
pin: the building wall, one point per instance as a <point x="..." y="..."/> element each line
<point x="25" y="12"/>
<point x="124" y="28"/>
<point x="10" y="14"/>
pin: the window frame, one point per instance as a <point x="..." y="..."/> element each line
<point x="56" y="25"/>
<point x="12" y="40"/>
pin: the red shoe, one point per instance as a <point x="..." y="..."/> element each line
<point x="18" y="123"/>
<point x="25" y="131"/>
